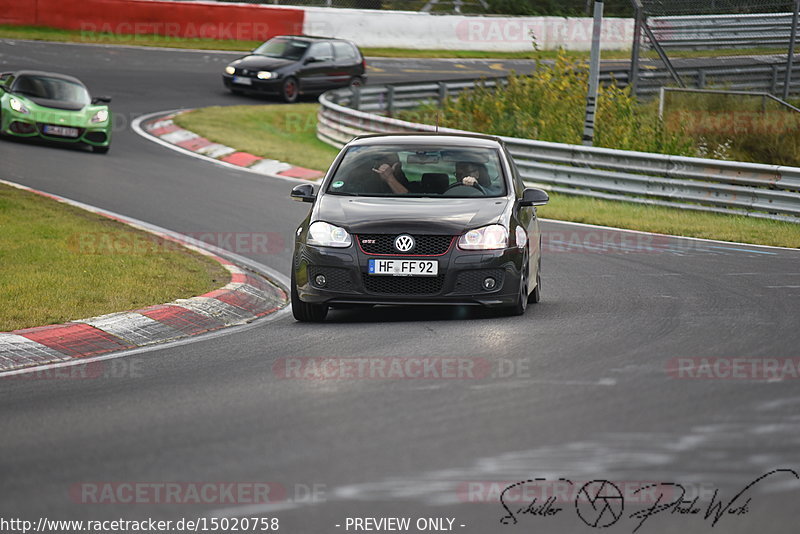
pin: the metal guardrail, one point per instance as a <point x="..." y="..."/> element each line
<point x="766" y="30"/>
<point x="766" y="191"/>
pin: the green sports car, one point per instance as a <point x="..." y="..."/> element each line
<point x="54" y="107"/>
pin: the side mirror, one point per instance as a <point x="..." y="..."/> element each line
<point x="303" y="193"/>
<point x="101" y="100"/>
<point x="310" y="59"/>
<point x="533" y="197"/>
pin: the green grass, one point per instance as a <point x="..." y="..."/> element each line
<point x="259" y="127"/>
<point x="38" y="33"/>
<point x="285" y="133"/>
<point x="59" y="263"/>
<point x="664" y="220"/>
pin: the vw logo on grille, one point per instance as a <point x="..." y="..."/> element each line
<point x="404" y="243"/>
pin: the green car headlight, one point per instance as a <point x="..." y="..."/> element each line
<point x="18" y="106"/>
<point x="100" y="116"/>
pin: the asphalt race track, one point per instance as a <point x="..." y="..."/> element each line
<point x="583" y="390"/>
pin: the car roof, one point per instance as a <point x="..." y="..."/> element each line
<point x="311" y="38"/>
<point x="421" y="138"/>
<point x="56" y="75"/>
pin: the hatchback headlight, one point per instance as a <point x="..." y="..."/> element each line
<point x="18" y="106"/>
<point x="230" y="70"/>
<point x="264" y="75"/>
<point x="327" y="235"/>
<point x="492" y="237"/>
<point x="100" y="116"/>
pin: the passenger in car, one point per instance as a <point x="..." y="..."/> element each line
<point x="390" y="170"/>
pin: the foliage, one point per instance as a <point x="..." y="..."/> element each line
<point x="549" y="105"/>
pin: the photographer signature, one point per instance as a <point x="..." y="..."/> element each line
<point x="600" y="503"/>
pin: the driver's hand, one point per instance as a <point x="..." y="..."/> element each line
<point x="469" y="180"/>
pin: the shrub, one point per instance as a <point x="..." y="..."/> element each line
<point x="549" y="105"/>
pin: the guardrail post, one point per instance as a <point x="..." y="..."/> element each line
<point x="390" y="101"/>
<point x="442" y="93"/>
<point x="633" y="76"/>
<point x="788" y="82"/>
<point x="701" y="79"/>
<point x="774" y="82"/>
<point x="356" y="96"/>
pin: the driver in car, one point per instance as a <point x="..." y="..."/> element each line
<point x="475" y="175"/>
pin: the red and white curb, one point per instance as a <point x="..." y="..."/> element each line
<point x="248" y="296"/>
<point x="163" y="128"/>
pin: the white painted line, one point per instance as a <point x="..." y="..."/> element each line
<point x="137" y="127"/>
<point x="641" y="232"/>
<point x="270" y="166"/>
<point x="216" y="151"/>
<point x="179" y="136"/>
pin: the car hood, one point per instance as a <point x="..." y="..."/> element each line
<point x="256" y="62"/>
<point x="56" y="104"/>
<point x="80" y="117"/>
<point x="417" y="215"/>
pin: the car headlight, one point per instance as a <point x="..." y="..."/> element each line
<point x="327" y="235"/>
<point x="264" y="75"/>
<point x="230" y="70"/>
<point x="18" y="106"/>
<point x="100" y="116"/>
<point x="490" y="237"/>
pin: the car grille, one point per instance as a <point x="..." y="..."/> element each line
<point x="471" y="282"/>
<point x="426" y="245"/>
<point x="403" y="285"/>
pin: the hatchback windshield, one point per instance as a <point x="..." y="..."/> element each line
<point x="283" y="48"/>
<point x="52" y="89"/>
<point x="419" y="171"/>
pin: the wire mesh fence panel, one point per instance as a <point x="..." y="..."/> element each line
<point x="729" y="44"/>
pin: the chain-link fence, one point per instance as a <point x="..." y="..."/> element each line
<point x="727" y="44"/>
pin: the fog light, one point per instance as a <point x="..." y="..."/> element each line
<point x="489" y="283"/>
<point x="320" y="280"/>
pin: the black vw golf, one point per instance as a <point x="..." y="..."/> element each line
<point x="418" y="219"/>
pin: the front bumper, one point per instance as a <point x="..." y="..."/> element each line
<point x="18" y="125"/>
<point x="271" y="86"/>
<point x="459" y="282"/>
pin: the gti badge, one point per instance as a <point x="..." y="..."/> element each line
<point x="404" y="243"/>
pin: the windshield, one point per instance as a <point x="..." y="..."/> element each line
<point x="419" y="171"/>
<point x="52" y="89"/>
<point x="283" y="48"/>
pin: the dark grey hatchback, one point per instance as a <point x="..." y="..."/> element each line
<point x="405" y="219"/>
<point x="291" y="65"/>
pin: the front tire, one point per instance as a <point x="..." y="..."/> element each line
<point x="290" y="90"/>
<point x="305" y="312"/>
<point x="536" y="296"/>
<point x="519" y="307"/>
<point x="101" y="149"/>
